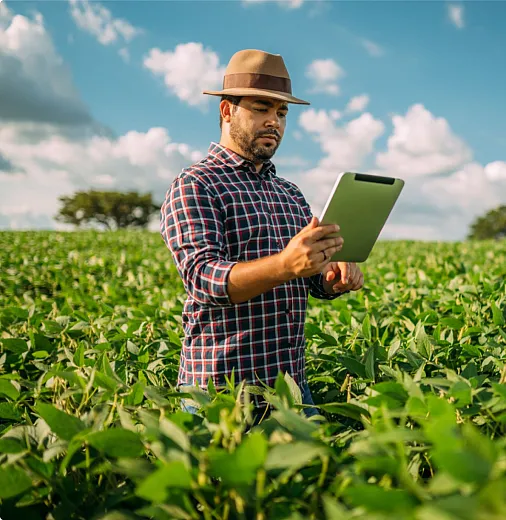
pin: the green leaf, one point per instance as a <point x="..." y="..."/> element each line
<point x="353" y="365"/>
<point x="9" y="411"/>
<point x="375" y="498"/>
<point x="333" y="510"/>
<point x="366" y="328"/>
<point x="104" y="381"/>
<point x="240" y="467"/>
<point x="369" y="363"/>
<point x="62" y="424"/>
<point x="16" y="345"/>
<point x="497" y="314"/>
<point x="327" y="337"/>
<point x="175" y="433"/>
<point x="293" y="455"/>
<point x="10" y="445"/>
<point x="8" y="389"/>
<point x="298" y="426"/>
<point x="282" y="389"/>
<point x="13" y="481"/>
<point x="452" y="323"/>
<point x="294" y="389"/>
<point x="500" y="389"/>
<point x="41" y="342"/>
<point x="346" y="409"/>
<point x="392" y="388"/>
<point x="172" y="475"/>
<point x="117" y="442"/>
<point x="466" y="455"/>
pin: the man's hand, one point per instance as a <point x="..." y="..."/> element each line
<point x="308" y="251"/>
<point x="342" y="276"/>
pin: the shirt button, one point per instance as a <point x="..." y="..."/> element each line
<point x="287" y="310"/>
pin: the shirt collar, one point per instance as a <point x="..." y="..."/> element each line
<point x="227" y="156"/>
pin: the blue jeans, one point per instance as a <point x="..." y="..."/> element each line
<point x="307" y="399"/>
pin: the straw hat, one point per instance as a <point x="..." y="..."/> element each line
<point x="251" y="72"/>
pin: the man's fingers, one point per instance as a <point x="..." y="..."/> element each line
<point x="317" y="233"/>
<point x="345" y="272"/>
<point x="328" y="243"/>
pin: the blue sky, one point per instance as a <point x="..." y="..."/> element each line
<point x="438" y="67"/>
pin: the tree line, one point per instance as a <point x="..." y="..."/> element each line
<point x="121" y="210"/>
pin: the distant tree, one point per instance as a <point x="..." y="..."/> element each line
<point x="490" y="225"/>
<point x="113" y="209"/>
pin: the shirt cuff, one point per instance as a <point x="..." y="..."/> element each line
<point x="317" y="290"/>
<point x="211" y="282"/>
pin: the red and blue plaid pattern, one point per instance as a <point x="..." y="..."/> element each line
<point x="216" y="213"/>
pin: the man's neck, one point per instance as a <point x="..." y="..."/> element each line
<point x="231" y="145"/>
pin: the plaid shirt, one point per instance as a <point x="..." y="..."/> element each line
<point x="217" y="213"/>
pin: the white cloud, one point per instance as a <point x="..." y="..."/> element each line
<point x="445" y="189"/>
<point x="125" y="54"/>
<point x="98" y="21"/>
<point x="325" y="73"/>
<point x="50" y="146"/>
<point x="288" y="4"/>
<point x="57" y="165"/>
<point x="35" y="84"/>
<point x="358" y="103"/>
<point x="187" y="71"/>
<point x="372" y="48"/>
<point x="496" y="171"/>
<point x="422" y="144"/>
<point x="456" y="15"/>
<point x="345" y="148"/>
<point x="292" y="161"/>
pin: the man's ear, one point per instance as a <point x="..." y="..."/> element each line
<point x="226" y="110"/>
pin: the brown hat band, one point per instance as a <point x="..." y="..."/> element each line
<point x="261" y="81"/>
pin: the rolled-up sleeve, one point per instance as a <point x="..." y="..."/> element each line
<point x="193" y="230"/>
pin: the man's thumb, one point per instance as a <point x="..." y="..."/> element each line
<point x="313" y="223"/>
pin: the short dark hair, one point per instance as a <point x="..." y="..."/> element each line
<point x="235" y="100"/>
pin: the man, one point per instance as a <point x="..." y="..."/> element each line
<point x="245" y="243"/>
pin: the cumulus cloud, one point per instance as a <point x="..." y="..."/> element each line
<point x="445" y="189"/>
<point x="358" y="103"/>
<point x="345" y="147"/>
<point x="422" y="144"/>
<point x="46" y="150"/>
<point x="187" y="71"/>
<point x="57" y="165"/>
<point x="35" y="84"/>
<point x="325" y="73"/>
<point x="97" y="20"/>
<point x="456" y="15"/>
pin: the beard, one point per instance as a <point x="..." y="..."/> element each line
<point x="250" y="145"/>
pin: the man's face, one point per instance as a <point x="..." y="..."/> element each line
<point x="257" y="125"/>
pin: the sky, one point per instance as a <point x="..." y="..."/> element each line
<point x="108" y="95"/>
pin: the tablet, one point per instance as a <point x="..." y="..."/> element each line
<point x="360" y="204"/>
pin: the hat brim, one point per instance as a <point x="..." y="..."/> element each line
<point x="282" y="96"/>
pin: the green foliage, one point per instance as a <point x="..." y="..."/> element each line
<point x="112" y="209"/>
<point x="409" y="375"/>
<point x="490" y="225"/>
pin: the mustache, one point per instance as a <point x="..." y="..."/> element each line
<point x="271" y="134"/>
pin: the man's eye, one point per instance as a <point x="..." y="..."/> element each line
<point x="261" y="109"/>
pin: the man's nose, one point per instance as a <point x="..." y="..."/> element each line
<point x="273" y="122"/>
